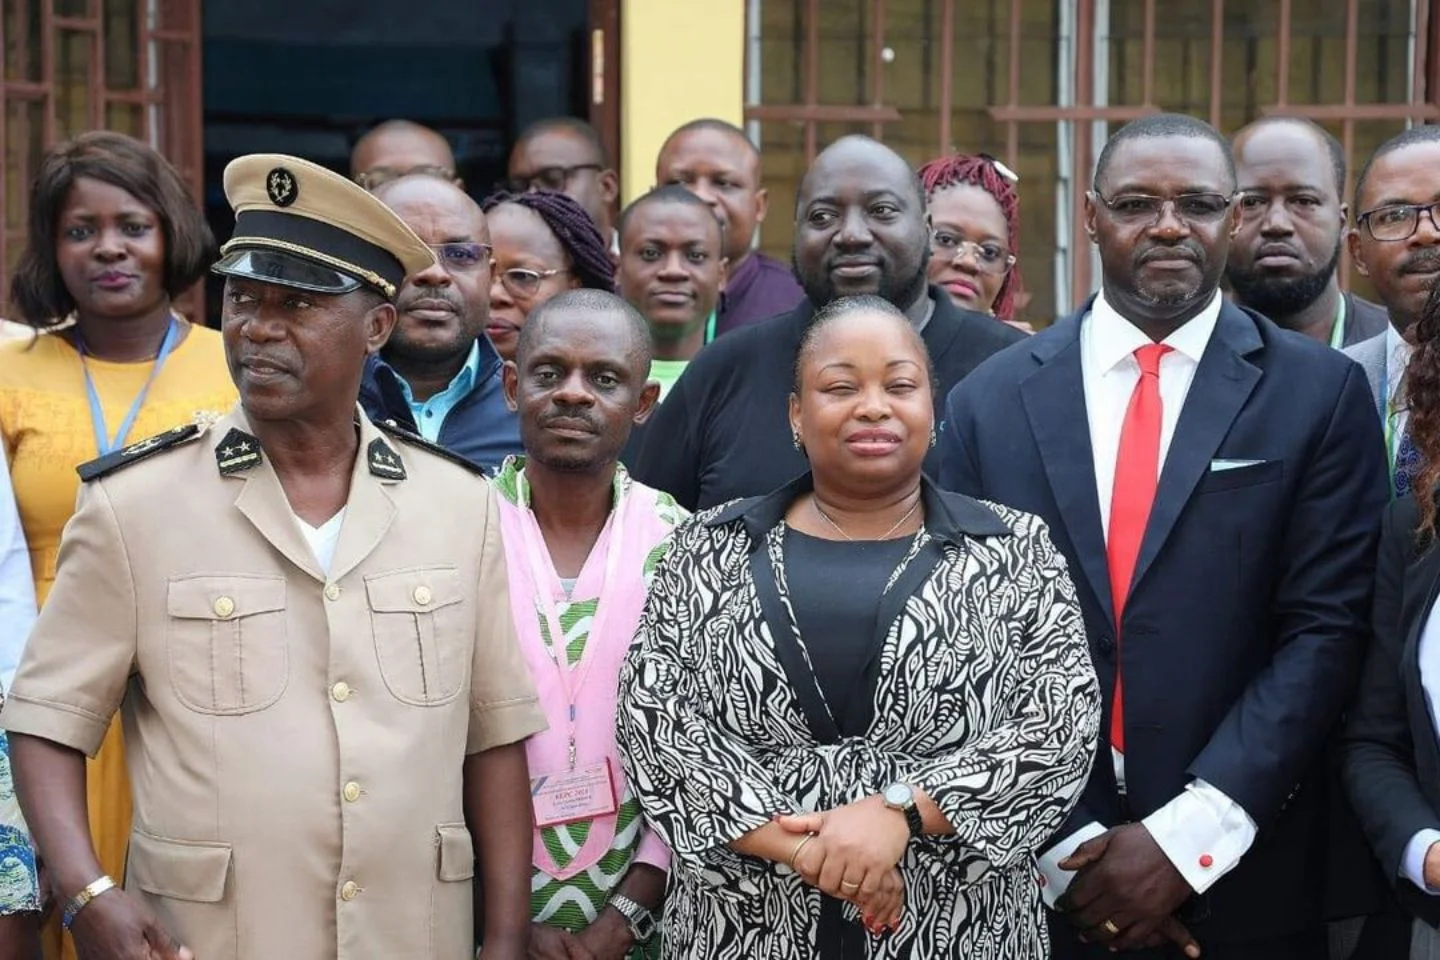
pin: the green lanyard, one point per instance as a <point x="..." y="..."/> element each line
<point x="710" y="326"/>
<point x="1337" y="332"/>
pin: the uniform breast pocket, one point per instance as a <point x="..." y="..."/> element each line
<point x="422" y="641"/>
<point x="227" y="642"/>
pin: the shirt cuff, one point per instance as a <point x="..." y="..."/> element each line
<point x="1053" y="880"/>
<point x="1412" y="866"/>
<point x="1203" y="832"/>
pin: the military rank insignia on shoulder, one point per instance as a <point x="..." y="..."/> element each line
<point x="414" y="439"/>
<point x="136" y="452"/>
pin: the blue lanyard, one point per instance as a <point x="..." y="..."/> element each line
<point x="97" y="413"/>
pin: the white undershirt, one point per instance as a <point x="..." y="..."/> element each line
<point x="322" y="539"/>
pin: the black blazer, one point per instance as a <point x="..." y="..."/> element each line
<point x="1390" y="753"/>
<point x="722" y="432"/>
<point x="1245" y="626"/>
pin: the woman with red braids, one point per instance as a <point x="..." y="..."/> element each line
<point x="975" y="230"/>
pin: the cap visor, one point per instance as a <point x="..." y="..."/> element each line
<point x="286" y="270"/>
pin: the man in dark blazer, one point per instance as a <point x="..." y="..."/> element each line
<point x="1219" y="481"/>
<point x="860" y="227"/>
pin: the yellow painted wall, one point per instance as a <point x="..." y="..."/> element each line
<point x="679" y="60"/>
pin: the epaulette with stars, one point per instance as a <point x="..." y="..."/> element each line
<point x="414" y="439"/>
<point x="125" y="456"/>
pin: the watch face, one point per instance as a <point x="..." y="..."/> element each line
<point x="899" y="795"/>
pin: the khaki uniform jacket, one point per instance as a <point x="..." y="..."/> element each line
<point x="295" y="741"/>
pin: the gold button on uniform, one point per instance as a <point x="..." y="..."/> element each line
<point x="224" y="607"/>
<point x="350" y="891"/>
<point x="332" y="591"/>
<point x="352" y="792"/>
<point x="422" y="595"/>
<point x="340" y="692"/>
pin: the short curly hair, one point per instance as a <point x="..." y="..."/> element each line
<point x="38" y="291"/>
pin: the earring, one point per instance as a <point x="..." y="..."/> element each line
<point x="795" y="439"/>
<point x="933" y="438"/>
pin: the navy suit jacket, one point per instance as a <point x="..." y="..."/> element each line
<point x="1247" y="616"/>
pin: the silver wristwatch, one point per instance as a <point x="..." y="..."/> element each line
<point x="640" y="920"/>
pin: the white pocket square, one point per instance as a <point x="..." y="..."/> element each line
<point x="1220" y="466"/>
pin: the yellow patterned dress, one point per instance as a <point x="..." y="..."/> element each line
<point x="46" y="427"/>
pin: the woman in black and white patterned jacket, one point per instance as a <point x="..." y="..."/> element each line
<point x="857" y="706"/>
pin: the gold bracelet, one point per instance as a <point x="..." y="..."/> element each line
<point x="795" y="854"/>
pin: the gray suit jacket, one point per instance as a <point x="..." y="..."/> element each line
<point x="1372" y="357"/>
<point x="1363" y="320"/>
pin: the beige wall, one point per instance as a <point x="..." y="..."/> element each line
<point x="680" y="60"/>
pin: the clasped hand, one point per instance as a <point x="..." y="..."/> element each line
<point x="853" y="857"/>
<point x="1126" y="891"/>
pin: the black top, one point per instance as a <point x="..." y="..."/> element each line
<point x="835" y="589"/>
<point x="722" y="431"/>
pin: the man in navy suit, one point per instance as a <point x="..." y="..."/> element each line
<point x="1216" y="484"/>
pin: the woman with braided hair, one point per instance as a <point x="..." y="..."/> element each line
<point x="975" y="231"/>
<point x="544" y="244"/>
<point x="1391" y="750"/>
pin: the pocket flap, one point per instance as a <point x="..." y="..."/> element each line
<point x="457" y="853"/>
<point x="179" y="869"/>
<point x="413" y="591"/>
<point x="224" y="598"/>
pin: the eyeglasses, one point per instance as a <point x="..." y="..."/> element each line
<point x="1398" y="221"/>
<point x="547" y="178"/>
<point x="1138" y="209"/>
<point x="375" y="176"/>
<point x="989" y="257"/>
<point x="523" y="282"/>
<point x="461" y="256"/>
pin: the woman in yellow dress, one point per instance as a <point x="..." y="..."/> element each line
<point x="113" y="239"/>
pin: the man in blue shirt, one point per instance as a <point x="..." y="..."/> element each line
<point x="438" y="375"/>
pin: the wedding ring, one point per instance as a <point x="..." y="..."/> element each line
<point x="849" y="887"/>
<point x="1110" y="928"/>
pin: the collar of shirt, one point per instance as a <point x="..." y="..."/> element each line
<point x="1113" y="339"/>
<point x="510" y="482"/>
<point x="459" y="385"/>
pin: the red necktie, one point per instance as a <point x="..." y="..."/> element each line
<point x="1137" y="471"/>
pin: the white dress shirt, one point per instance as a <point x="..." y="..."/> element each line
<point x="322" y="539"/>
<point x="17" y="585"/>
<point x="1412" y="865"/>
<point x="1202" y="831"/>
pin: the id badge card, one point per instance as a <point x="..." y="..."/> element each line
<point x="566" y="796"/>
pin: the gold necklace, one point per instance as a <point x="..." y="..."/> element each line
<point x="884" y="536"/>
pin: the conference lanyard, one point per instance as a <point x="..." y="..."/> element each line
<point x="1337" y="332"/>
<point x="103" y="443"/>
<point x="543" y="579"/>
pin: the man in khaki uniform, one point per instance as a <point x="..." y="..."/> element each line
<point x="304" y="622"/>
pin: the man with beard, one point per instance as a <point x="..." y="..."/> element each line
<point x="1291" y="174"/>
<point x="1396" y="243"/>
<point x="438" y="375"/>
<point x="860" y="227"/>
<point x="1217" y="485"/>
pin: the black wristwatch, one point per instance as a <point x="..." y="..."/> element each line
<point x="640" y="920"/>
<point x="899" y="796"/>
